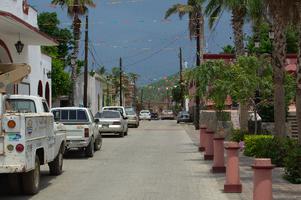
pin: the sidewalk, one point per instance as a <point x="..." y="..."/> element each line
<point x="282" y="189"/>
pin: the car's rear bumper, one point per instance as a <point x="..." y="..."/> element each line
<point x="72" y="144"/>
<point x="111" y="129"/>
<point x="7" y="169"/>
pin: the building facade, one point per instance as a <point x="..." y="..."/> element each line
<point x="18" y="22"/>
<point x="96" y="91"/>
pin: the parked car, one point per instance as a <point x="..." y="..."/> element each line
<point x="82" y="129"/>
<point x="111" y="121"/>
<point x="30" y="139"/>
<point x="183" y="116"/>
<point x="167" y="114"/>
<point x="133" y="119"/>
<point x="154" y="116"/>
<point x="121" y="109"/>
<point x="145" y="115"/>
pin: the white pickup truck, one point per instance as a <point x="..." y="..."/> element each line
<point x="82" y="129"/>
<point x="29" y="138"/>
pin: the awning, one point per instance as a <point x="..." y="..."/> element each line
<point x="30" y="35"/>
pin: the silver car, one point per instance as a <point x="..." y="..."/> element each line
<point x="112" y="122"/>
<point x="133" y="119"/>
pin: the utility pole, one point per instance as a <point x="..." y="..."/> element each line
<point x="86" y="64"/>
<point x="120" y="81"/>
<point x="181" y="78"/>
<point x="141" y="100"/>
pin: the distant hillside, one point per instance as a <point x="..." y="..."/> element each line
<point x="159" y="90"/>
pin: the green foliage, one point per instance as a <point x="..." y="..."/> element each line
<point x="237" y="135"/>
<point x="266" y="111"/>
<point x="228" y="49"/>
<point x="252" y="141"/>
<point x="49" y="23"/>
<point x="292" y="164"/>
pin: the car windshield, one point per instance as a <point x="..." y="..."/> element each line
<point x="70" y="115"/>
<point x="115" y="109"/>
<point x="107" y="115"/>
<point x="130" y="112"/>
<point x="20" y="106"/>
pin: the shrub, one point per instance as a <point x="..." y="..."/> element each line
<point x="275" y="148"/>
<point x="292" y="164"/>
<point x="252" y="143"/>
<point x="237" y="135"/>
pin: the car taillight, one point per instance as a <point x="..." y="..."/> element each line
<point x="11" y="124"/>
<point x="86" y="132"/>
<point x="116" y="123"/>
<point x="20" y="148"/>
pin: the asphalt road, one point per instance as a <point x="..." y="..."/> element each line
<point x="157" y="161"/>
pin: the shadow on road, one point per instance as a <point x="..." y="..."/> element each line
<point x="8" y="193"/>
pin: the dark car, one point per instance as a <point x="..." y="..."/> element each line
<point x="154" y="116"/>
<point x="183" y="116"/>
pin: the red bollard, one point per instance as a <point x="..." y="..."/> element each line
<point x="209" y="145"/>
<point x="218" y="158"/>
<point x="202" y="138"/>
<point x="262" y="179"/>
<point x="232" y="184"/>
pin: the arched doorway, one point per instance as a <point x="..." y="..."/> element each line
<point x="40" y="89"/>
<point x="47" y="93"/>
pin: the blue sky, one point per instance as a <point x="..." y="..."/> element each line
<point x="136" y="31"/>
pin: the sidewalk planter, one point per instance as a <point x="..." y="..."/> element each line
<point x="218" y="158"/>
<point x="262" y="179"/>
<point x="202" y="138"/>
<point x="209" y="145"/>
<point x="232" y="184"/>
<point x="209" y="119"/>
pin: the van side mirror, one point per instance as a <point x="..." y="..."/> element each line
<point x="125" y="118"/>
<point x="96" y="121"/>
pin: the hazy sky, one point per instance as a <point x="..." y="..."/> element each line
<point x="136" y="31"/>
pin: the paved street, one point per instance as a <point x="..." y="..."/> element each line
<point x="156" y="161"/>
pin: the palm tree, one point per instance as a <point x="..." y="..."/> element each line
<point x="194" y="9"/>
<point x="278" y="11"/>
<point x="75" y="9"/>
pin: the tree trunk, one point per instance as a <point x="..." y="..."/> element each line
<point x="200" y="52"/>
<point x="278" y="61"/>
<point x="298" y="88"/>
<point x="238" y="16"/>
<point x="74" y="58"/>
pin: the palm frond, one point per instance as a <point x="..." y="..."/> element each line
<point x="181" y="9"/>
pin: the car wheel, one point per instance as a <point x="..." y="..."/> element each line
<point x="89" y="151"/>
<point x="31" y="179"/>
<point x="56" y="166"/>
<point x="98" y="143"/>
<point x="121" y="134"/>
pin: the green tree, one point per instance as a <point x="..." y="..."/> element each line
<point x="75" y="9"/>
<point x="194" y="9"/>
<point x="49" y="23"/>
<point x="228" y="49"/>
<point x="238" y="9"/>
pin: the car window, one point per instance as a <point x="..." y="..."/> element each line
<point x="45" y="106"/>
<point x="115" y="109"/>
<point x="20" y="106"/>
<point x="70" y="115"/>
<point x="130" y="112"/>
<point x="108" y="115"/>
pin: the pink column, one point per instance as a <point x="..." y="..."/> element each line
<point x="218" y="158"/>
<point x="202" y="138"/>
<point x="262" y="179"/>
<point x="209" y="145"/>
<point x="232" y="184"/>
